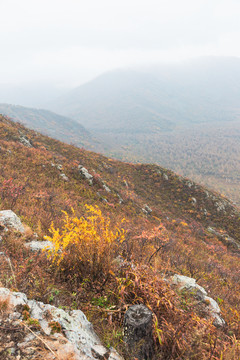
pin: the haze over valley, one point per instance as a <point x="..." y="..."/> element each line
<point x="183" y="116"/>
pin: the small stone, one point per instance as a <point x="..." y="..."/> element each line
<point x="39" y="245"/>
<point x="64" y="177"/>
<point x="147" y="210"/>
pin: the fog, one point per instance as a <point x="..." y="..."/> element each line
<point x="48" y="47"/>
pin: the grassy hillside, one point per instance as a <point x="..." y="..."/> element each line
<point x="172" y="237"/>
<point x="49" y="123"/>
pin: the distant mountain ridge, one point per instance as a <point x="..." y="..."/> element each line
<point x="54" y="125"/>
<point x="158" y="98"/>
<point x="182" y="116"/>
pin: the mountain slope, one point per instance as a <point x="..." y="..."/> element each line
<point x="171" y="225"/>
<point x="49" y="123"/>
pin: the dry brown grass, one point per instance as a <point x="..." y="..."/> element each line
<point x="5" y="305"/>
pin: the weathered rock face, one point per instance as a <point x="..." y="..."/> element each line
<point x="211" y="307"/>
<point x="10" y="220"/>
<point x="76" y="341"/>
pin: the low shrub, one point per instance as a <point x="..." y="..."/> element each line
<point x="85" y="247"/>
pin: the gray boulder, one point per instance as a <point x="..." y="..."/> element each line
<point x="211" y="306"/>
<point x="85" y="174"/>
<point x="10" y="220"/>
<point x="25" y="141"/>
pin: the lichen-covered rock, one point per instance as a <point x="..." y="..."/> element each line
<point x="77" y="340"/>
<point x="85" y="174"/>
<point x="25" y="141"/>
<point x="211" y="306"/>
<point x="187" y="283"/>
<point x="10" y="220"/>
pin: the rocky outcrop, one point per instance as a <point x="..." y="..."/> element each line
<point x="66" y="334"/>
<point x="225" y="238"/>
<point x="211" y="307"/>
<point x="85" y="174"/>
<point x="10" y="220"/>
<point x="25" y="141"/>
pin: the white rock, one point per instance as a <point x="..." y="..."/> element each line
<point x="106" y="188"/>
<point x="189" y="184"/>
<point x="189" y="284"/>
<point x="194" y="200"/>
<point x="64" y="177"/>
<point x="10" y="219"/>
<point x="25" y="141"/>
<point x="77" y="329"/>
<point x="147" y="210"/>
<point x="39" y="245"/>
<point x="84" y="172"/>
<point x="215" y="312"/>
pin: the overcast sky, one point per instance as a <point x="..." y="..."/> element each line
<point x="67" y="42"/>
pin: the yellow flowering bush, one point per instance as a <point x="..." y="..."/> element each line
<point x="85" y="246"/>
